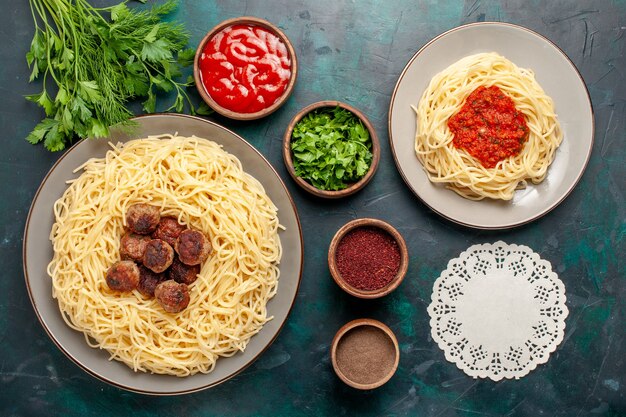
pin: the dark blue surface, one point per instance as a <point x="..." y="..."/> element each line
<point x="354" y="51"/>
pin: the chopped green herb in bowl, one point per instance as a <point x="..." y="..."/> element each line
<point x="332" y="148"/>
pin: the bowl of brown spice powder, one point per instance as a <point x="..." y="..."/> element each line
<point x="365" y="354"/>
<point x="368" y="258"/>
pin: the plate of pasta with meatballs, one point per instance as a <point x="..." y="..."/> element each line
<point x="165" y="258"/>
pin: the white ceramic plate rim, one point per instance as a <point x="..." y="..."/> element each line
<point x="575" y="116"/>
<point x="93" y="361"/>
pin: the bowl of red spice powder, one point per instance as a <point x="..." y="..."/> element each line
<point x="368" y="258"/>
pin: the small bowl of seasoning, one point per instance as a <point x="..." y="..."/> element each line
<point x="245" y="68"/>
<point x="331" y="149"/>
<point x="365" y="354"/>
<point x="368" y="258"/>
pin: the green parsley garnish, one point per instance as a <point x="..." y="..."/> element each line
<point x="94" y="60"/>
<point x="331" y="148"/>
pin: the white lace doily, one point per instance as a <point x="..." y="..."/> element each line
<point x="498" y="311"/>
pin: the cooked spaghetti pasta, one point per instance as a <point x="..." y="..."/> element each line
<point x="444" y="97"/>
<point x="203" y="186"/>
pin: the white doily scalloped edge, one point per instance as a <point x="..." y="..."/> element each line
<point x="532" y="365"/>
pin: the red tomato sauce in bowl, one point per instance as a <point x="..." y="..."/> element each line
<point x="245" y="68"/>
<point x="489" y="127"/>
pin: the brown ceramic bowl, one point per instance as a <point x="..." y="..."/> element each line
<point x="230" y="113"/>
<point x="375" y="359"/>
<point x="354" y="187"/>
<point x="367" y="222"/>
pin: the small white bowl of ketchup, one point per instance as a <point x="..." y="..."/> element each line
<point x="245" y="68"/>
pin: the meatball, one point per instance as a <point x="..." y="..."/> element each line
<point x="172" y="296"/>
<point x="133" y="246"/>
<point x="158" y="256"/>
<point x="168" y="230"/>
<point x="184" y="274"/>
<point x="148" y="280"/>
<point x="142" y="218"/>
<point x="193" y="247"/>
<point x="123" y="276"/>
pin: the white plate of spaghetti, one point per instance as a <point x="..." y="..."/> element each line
<point x="210" y="181"/>
<point x="491" y="125"/>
